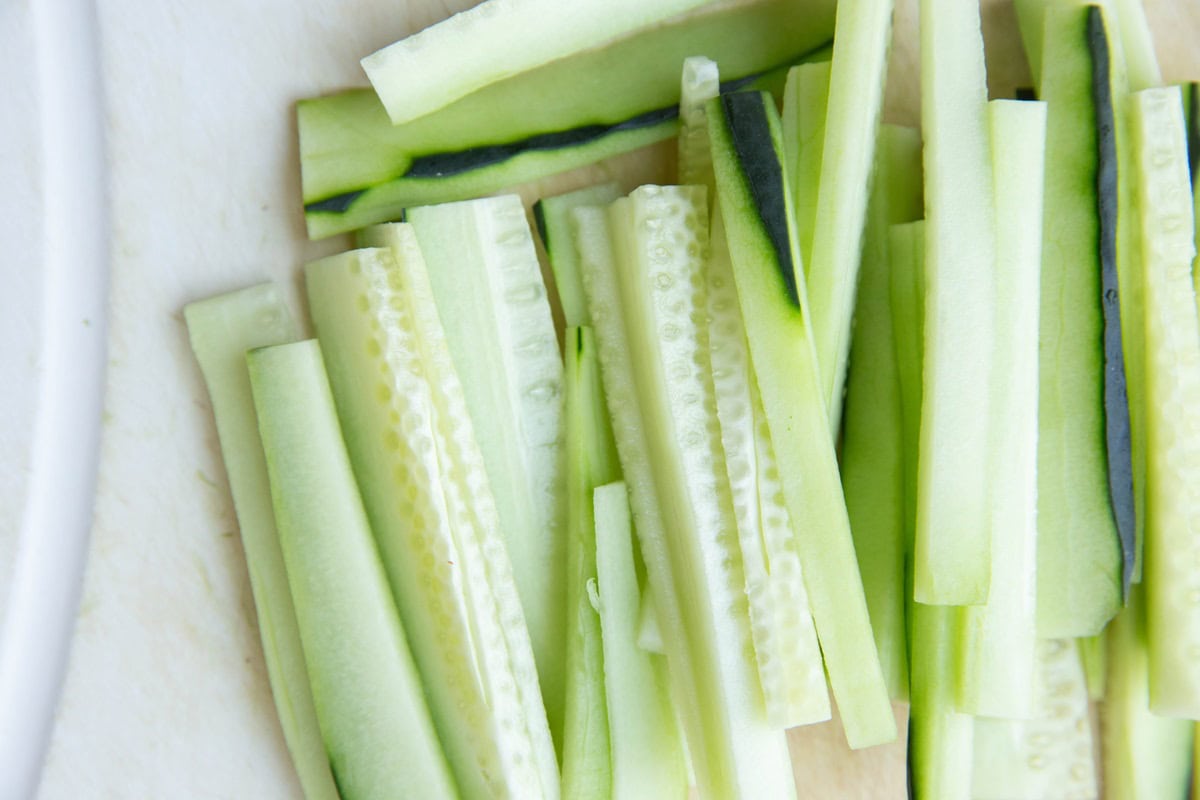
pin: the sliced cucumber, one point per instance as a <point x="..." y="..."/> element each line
<point x="759" y="219"/>
<point x="490" y="297"/>
<point x="805" y="104"/>
<point x="701" y="82"/>
<point x="1001" y="636"/>
<point x="940" y="738"/>
<point x="649" y="635"/>
<point x="553" y="217"/>
<point x="907" y="247"/>
<point x="859" y="68"/>
<point x="872" y="436"/>
<point x="647" y="754"/>
<point x="1079" y="554"/>
<point x="952" y="552"/>
<point x="1095" y="664"/>
<point x="368" y="696"/>
<point x="1173" y="392"/>
<point x="426" y="490"/>
<point x="222" y="330"/>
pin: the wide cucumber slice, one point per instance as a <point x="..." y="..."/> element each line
<point x="369" y="699"/>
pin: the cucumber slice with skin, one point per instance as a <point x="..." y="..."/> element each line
<point x="647" y="753"/>
<point x="805" y="103"/>
<point x="426" y="490"/>
<point x="872" y="443"/>
<point x="368" y="696"/>
<point x="1079" y="554"/>
<point x="488" y="287"/>
<point x="1173" y="391"/>
<point x="952" y="552"/>
<point x="745" y="133"/>
<point x="1000" y="636"/>
<point x="222" y="329"/>
<point x="858" y="71"/>
<point x="553" y="218"/>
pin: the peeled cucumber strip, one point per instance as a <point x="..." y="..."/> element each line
<point x="487" y="284"/>
<point x="872" y="434"/>
<point x="222" y="329"/>
<point x="862" y="41"/>
<point x="907" y="250"/>
<point x="591" y="462"/>
<point x="431" y="507"/>
<point x="647" y="753"/>
<point x="495" y="40"/>
<point x="649" y="635"/>
<point x="952" y="556"/>
<point x="645" y="292"/>
<point x="790" y="667"/>
<point x="1146" y="756"/>
<point x="1050" y="756"/>
<point x="700" y="83"/>
<point x="1001" y="636"/>
<point x="805" y="103"/>
<point x="1173" y="391"/>
<point x="1079" y="555"/>
<point x="1093" y="653"/>
<point x="553" y="218"/>
<point x="759" y="221"/>
<point x="367" y="693"/>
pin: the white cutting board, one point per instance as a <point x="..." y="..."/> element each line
<point x="166" y="695"/>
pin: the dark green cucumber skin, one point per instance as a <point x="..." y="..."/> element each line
<point x="746" y="117"/>
<point x="1118" y="434"/>
<point x="1192" y="101"/>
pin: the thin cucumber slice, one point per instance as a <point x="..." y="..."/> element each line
<point x="367" y="693"/>
<point x="553" y="217"/>
<point x="805" y="104"/>
<point x="1146" y="756"/>
<point x="790" y="668"/>
<point x="222" y="329"/>
<point x="647" y="753"/>
<point x="759" y="221"/>
<point x="1001" y="636"/>
<point x="863" y="35"/>
<point x="701" y="82"/>
<point x="872" y="436"/>
<point x="426" y="490"/>
<point x="587" y="762"/>
<point x="1047" y="757"/>
<point x="642" y="322"/>
<point x="649" y="635"/>
<point x="487" y="284"/>
<point x="952" y="552"/>
<point x="907" y="249"/>
<point x="1173" y="392"/>
<point x="1079" y="554"/>
<point x="940" y="738"/>
<point x="1095" y="664"/>
<point x="495" y="40"/>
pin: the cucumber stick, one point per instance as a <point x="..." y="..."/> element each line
<point x="872" y="443"/>
<point x="805" y="102"/>
<point x="222" y="329"/>
<point x="745" y="133"/>
<point x="859" y="66"/>
<point x="1173" y="391"/>
<point x="426" y="490"/>
<point x="553" y="217"/>
<point x="999" y="650"/>
<point x="591" y="462"/>
<point x="368" y="696"/>
<point x="647" y="753"/>
<point x="701" y="82"/>
<point x="643" y="272"/>
<point x="1079" y="555"/>
<point x="952" y="552"/>
<point x="487" y="284"/>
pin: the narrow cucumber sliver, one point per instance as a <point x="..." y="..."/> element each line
<point x="701" y="82"/>
<point x="367" y="693"/>
<point x="427" y="493"/>
<point x="649" y="635"/>
<point x="940" y="738"/>
<point x="907" y="247"/>
<point x="553" y="217"/>
<point x="647" y="753"/>
<point x="1001" y="636"/>
<point x="952" y="550"/>
<point x="1093" y="653"/>
<point x="860" y="54"/>
<point x="1173" y="392"/>
<point x="805" y="104"/>
<point x="222" y="329"/>
<point x="490" y="297"/>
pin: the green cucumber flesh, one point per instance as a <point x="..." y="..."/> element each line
<point x="700" y="83"/>
<point x="952" y="552"/>
<point x="431" y="507"/>
<point x="553" y="217"/>
<point x="1095" y="664"/>
<point x="759" y="221"/>
<point x="805" y="102"/>
<point x="222" y="329"/>
<point x="940" y="737"/>
<point x="649" y="636"/>
<point x="647" y="753"/>
<point x="368" y="696"/>
<point x="906" y="244"/>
